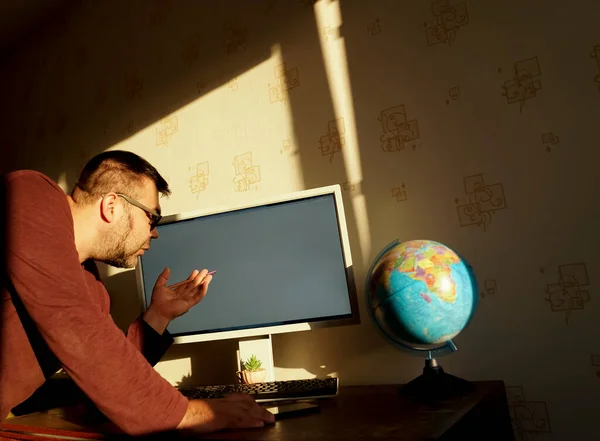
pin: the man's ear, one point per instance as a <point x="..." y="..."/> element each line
<point x="109" y="208"/>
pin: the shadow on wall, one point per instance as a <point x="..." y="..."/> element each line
<point x="121" y="67"/>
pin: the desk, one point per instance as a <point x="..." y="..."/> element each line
<point x="359" y="412"/>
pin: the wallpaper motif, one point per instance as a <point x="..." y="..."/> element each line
<point x="285" y="80"/>
<point x="133" y="85"/>
<point x="490" y="288"/>
<point x="348" y="186"/>
<point x="374" y="28"/>
<point x="165" y="130"/>
<point x="453" y="94"/>
<point x="236" y="38"/>
<point x="199" y="180"/>
<point x="529" y="418"/>
<point x="596" y="54"/>
<point x="569" y="293"/>
<point x="525" y="82"/>
<point x="549" y="139"/>
<point x="398" y="130"/>
<point x="334" y="140"/>
<point x="447" y="19"/>
<point x="288" y="147"/>
<point x="399" y="193"/>
<point x="329" y="31"/>
<point x="482" y="201"/>
<point x="246" y="175"/>
<point x="158" y="13"/>
<point x="191" y="50"/>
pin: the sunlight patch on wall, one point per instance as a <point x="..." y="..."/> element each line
<point x="175" y="371"/>
<point x="282" y="374"/>
<point x="230" y="146"/>
<point x="328" y="18"/>
<point x="62" y="182"/>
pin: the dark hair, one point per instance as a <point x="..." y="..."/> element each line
<point x="117" y="171"/>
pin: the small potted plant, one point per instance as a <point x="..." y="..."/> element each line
<point x="253" y="371"/>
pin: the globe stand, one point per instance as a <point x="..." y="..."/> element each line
<point x="435" y="385"/>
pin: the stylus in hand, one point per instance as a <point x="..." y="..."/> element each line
<point x="177" y="285"/>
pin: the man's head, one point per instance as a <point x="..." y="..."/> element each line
<point x="122" y="189"/>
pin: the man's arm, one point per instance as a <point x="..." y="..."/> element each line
<point x="44" y="267"/>
<point x="153" y="343"/>
<point x="156" y="321"/>
<point x="149" y="334"/>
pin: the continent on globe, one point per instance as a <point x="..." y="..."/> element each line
<point x="430" y="264"/>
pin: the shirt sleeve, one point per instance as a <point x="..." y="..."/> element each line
<point x="44" y="267"/>
<point x="149" y="342"/>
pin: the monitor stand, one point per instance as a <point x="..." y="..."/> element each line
<point x="260" y="346"/>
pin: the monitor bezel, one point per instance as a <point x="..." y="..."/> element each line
<point x="352" y="319"/>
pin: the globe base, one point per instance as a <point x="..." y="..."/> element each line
<point x="435" y="385"/>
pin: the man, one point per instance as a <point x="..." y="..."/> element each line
<point x="56" y="310"/>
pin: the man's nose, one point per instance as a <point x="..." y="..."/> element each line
<point x="154" y="233"/>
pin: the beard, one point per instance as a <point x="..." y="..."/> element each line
<point x="120" y="248"/>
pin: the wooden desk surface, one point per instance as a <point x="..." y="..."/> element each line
<point x="358" y="412"/>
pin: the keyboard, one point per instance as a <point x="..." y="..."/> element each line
<point x="269" y="391"/>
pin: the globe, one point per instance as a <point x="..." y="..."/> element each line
<point x="420" y="295"/>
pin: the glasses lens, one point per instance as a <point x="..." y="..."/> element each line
<point x="154" y="220"/>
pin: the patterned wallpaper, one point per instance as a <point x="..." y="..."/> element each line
<point x="473" y="123"/>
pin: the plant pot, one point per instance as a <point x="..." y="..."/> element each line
<point x="251" y="377"/>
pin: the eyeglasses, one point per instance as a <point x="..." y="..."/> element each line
<point x="153" y="215"/>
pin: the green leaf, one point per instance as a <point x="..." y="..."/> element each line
<point x="252" y="364"/>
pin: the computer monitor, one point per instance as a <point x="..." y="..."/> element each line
<point x="283" y="265"/>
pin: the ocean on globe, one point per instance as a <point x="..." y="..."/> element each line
<point x="420" y="294"/>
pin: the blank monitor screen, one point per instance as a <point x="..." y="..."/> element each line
<point x="276" y="264"/>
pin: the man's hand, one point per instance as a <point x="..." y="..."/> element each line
<point x="170" y="302"/>
<point x="236" y="411"/>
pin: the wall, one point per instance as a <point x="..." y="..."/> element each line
<point x="471" y="123"/>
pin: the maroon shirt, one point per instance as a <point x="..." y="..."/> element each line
<point x="70" y="308"/>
